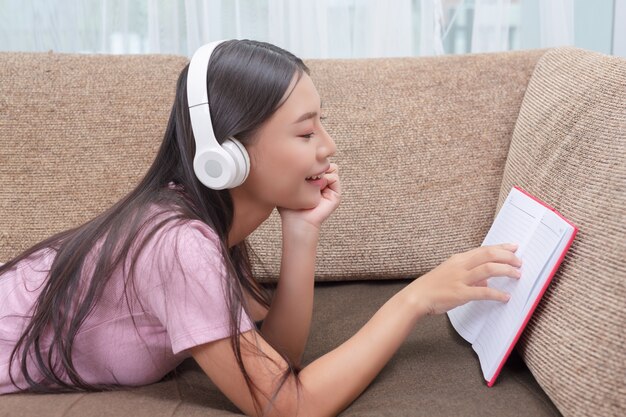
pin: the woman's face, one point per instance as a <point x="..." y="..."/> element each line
<point x="291" y="147"/>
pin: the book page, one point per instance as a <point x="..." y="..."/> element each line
<point x="553" y="227"/>
<point x="515" y="222"/>
<point x="543" y="236"/>
<point x="503" y="323"/>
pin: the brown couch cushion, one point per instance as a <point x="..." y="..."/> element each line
<point x="422" y="144"/>
<point x="569" y="148"/>
<point x="78" y="132"/>
<point x="435" y="373"/>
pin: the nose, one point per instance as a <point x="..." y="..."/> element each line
<point x="327" y="146"/>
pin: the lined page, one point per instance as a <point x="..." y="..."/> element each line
<point x="505" y="319"/>
<point x="553" y="227"/>
<point x="515" y="222"/>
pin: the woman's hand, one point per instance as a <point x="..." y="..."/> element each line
<point x="331" y="195"/>
<point x="463" y="277"/>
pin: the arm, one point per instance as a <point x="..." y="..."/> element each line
<point x="332" y="382"/>
<point x="288" y="321"/>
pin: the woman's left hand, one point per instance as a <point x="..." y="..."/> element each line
<point x="331" y="195"/>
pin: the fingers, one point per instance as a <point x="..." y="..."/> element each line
<point x="487" y="293"/>
<point x="502" y="253"/>
<point x="482" y="283"/>
<point x="491" y="269"/>
<point x="332" y="178"/>
<point x="332" y="174"/>
<point x="492" y="261"/>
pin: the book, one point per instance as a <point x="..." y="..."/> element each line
<point x="544" y="237"/>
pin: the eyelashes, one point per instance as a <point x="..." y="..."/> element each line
<point x="309" y="135"/>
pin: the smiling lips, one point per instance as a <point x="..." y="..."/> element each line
<point x="318" y="180"/>
<point x="314" y="177"/>
<point x="318" y="176"/>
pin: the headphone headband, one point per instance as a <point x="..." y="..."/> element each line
<point x="196" y="75"/>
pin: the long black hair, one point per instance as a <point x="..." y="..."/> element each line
<point x="246" y="81"/>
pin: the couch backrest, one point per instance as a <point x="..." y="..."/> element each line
<point x="569" y="149"/>
<point x="78" y="132"/>
<point x="422" y="144"/>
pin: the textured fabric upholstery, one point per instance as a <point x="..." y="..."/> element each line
<point x="421" y="149"/>
<point x="569" y="149"/>
<point x="78" y="132"/>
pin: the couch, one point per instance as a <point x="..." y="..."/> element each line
<point x="428" y="149"/>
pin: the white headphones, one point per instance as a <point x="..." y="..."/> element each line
<point x="217" y="167"/>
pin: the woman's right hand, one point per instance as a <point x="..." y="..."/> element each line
<point x="463" y="277"/>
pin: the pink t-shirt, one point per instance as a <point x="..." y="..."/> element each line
<point x="184" y="305"/>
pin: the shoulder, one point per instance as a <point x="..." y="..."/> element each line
<point x="179" y="243"/>
<point x="191" y="236"/>
<point x="167" y="226"/>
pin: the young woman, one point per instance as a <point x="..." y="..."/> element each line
<point x="164" y="274"/>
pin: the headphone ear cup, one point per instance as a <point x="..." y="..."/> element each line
<point x="241" y="160"/>
<point x="214" y="168"/>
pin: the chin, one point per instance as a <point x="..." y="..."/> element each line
<point x="315" y="201"/>
<point x="305" y="203"/>
<point x="306" y="206"/>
